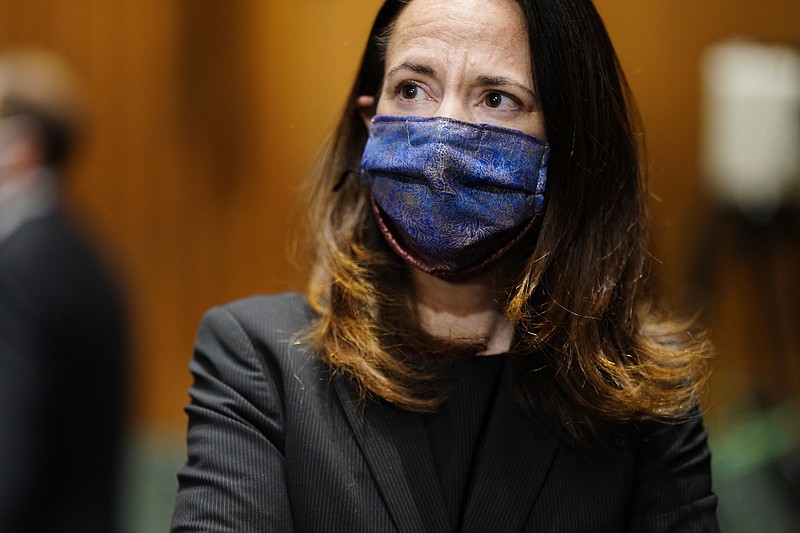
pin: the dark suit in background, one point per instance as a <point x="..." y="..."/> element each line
<point x="61" y="382"/>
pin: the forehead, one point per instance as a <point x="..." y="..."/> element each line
<point x="497" y="21"/>
<point x="479" y="33"/>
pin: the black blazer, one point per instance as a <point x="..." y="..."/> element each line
<point x="62" y="394"/>
<point x="276" y="443"/>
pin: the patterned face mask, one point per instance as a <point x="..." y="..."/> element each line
<point x="451" y="197"/>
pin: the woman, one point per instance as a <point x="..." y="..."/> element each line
<point x="475" y="351"/>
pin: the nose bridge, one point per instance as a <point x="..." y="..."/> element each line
<point x="453" y="105"/>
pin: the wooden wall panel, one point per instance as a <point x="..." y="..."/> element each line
<point x="660" y="43"/>
<point x="207" y="114"/>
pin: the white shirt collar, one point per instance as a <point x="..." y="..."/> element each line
<point x="21" y="203"/>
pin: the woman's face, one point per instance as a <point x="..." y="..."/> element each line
<point x="462" y="59"/>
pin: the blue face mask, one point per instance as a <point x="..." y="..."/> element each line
<point x="453" y="197"/>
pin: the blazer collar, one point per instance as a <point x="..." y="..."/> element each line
<point x="510" y="469"/>
<point x="513" y="461"/>
<point x="393" y="440"/>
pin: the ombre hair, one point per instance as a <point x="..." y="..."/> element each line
<point x="591" y="352"/>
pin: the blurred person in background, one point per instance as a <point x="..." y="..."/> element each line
<point x="62" y="338"/>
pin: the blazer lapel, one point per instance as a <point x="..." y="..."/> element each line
<point x="397" y="451"/>
<point x="510" y="470"/>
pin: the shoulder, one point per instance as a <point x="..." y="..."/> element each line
<point x="265" y="319"/>
<point x="31" y="251"/>
<point x="673" y="476"/>
<point x="30" y="243"/>
<point x="286" y="312"/>
<point x="251" y="362"/>
<point x="81" y="282"/>
<point x="678" y="448"/>
<point x="260" y="332"/>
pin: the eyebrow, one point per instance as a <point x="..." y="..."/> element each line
<point x="488" y="81"/>
<point x="419" y="68"/>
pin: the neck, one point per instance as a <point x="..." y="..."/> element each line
<point x="469" y="310"/>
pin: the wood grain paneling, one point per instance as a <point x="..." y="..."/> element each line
<point x="206" y="114"/>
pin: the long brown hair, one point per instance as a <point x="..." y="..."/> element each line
<point x="593" y="353"/>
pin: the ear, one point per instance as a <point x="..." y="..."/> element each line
<point x="366" y="108"/>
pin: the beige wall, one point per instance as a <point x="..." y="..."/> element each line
<point x="207" y="113"/>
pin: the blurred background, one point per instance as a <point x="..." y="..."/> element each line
<point x="206" y="114"/>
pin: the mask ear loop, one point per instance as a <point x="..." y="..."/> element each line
<point x="342" y="179"/>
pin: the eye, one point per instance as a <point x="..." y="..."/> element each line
<point x="496" y="100"/>
<point x="409" y="91"/>
<point x="493" y="100"/>
<point x="405" y="97"/>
